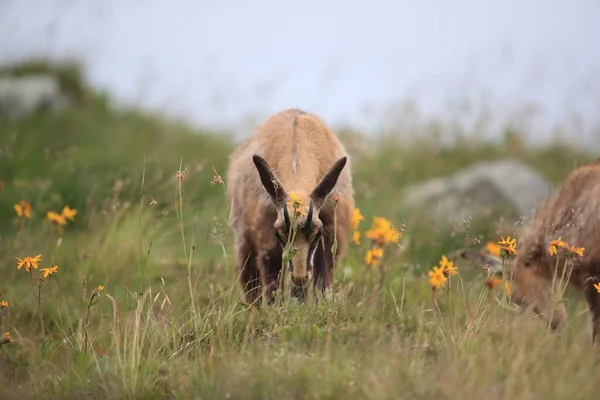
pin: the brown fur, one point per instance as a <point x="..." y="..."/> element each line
<point x="300" y="150"/>
<point x="572" y="213"/>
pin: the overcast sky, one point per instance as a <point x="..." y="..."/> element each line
<point x="351" y="61"/>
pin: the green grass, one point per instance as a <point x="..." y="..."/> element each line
<point x="169" y="322"/>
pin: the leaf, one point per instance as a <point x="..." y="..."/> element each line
<point x="334" y="247"/>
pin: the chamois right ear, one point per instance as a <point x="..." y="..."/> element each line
<point x="269" y="181"/>
<point x="326" y="185"/>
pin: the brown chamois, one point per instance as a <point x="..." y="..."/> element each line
<point x="293" y="153"/>
<point x="573" y="214"/>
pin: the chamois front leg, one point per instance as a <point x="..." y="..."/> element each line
<point x="248" y="273"/>
<point x="269" y="262"/>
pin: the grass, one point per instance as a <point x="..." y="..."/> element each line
<point x="168" y="322"/>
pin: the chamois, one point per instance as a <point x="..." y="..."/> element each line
<point x="573" y="214"/>
<point x="293" y="158"/>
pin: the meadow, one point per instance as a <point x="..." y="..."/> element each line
<point x="134" y="292"/>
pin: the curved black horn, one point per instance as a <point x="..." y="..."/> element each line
<point x="286" y="218"/>
<point x="309" y="218"/>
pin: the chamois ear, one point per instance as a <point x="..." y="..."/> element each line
<point x="480" y="259"/>
<point x="325" y="187"/>
<point x="269" y="181"/>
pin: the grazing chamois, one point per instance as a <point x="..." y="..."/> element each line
<point x="572" y="213"/>
<point x="284" y="174"/>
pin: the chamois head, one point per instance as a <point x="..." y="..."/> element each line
<point x="303" y="228"/>
<point x="530" y="287"/>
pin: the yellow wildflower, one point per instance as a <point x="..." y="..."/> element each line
<point x="447" y="266"/>
<point x="356" y="237"/>
<point x="23" y="209"/>
<point x="508" y="246"/>
<point x="46" y="272"/>
<point x="508" y="241"/>
<point x="29" y="262"/>
<point x="493" y="248"/>
<point x="53" y="216"/>
<point x="554" y="245"/>
<point x="575" y="250"/>
<point x="356" y="218"/>
<point x="3" y="304"/>
<point x="100" y="288"/>
<point x="373" y="256"/>
<point x="436" y="277"/>
<point x="6" y="338"/>
<point x="382" y="232"/>
<point x="69" y="213"/>
<point x="295" y="200"/>
<point x="597" y="287"/>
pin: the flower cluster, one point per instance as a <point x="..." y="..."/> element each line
<point x="382" y="232"/>
<point x="296" y="203"/>
<point x="439" y="275"/>
<point x="356" y="218"/>
<point x="568" y="250"/>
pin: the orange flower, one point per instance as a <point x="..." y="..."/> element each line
<point x="356" y="238"/>
<point x="493" y="248"/>
<point x="356" y="218"/>
<point x="374" y="256"/>
<point x="53" y="216"/>
<point x="436" y="277"/>
<point x="23" y="209"/>
<point x="554" y="245"/>
<point x="492" y="282"/>
<point x="46" y="272"/>
<point x="575" y="250"/>
<point x="382" y="232"/>
<point x="29" y="262"/>
<point x="69" y="213"/>
<point x="3" y="304"/>
<point x="597" y="287"/>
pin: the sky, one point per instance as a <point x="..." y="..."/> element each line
<point x="372" y="64"/>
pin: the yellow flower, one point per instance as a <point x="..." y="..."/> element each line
<point x="436" y="277"/>
<point x="575" y="250"/>
<point x="447" y="266"/>
<point x="53" y="216"/>
<point x="7" y="338"/>
<point x="69" y="213"/>
<point x="23" y="209"/>
<point x="29" y="262"/>
<point x="46" y="272"/>
<point x="508" y="241"/>
<point x="382" y="232"/>
<point x="508" y="246"/>
<point x="554" y="245"/>
<point x="597" y="287"/>
<point x="295" y="200"/>
<point x="356" y="237"/>
<point x="511" y="250"/>
<point x="373" y="256"/>
<point x="493" y="248"/>
<point x="3" y="304"/>
<point x="100" y="288"/>
<point x="356" y="218"/>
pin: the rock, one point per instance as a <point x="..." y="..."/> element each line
<point x="22" y="96"/>
<point x="507" y="186"/>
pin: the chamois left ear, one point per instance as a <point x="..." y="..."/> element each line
<point x="325" y="187"/>
<point x="269" y="181"/>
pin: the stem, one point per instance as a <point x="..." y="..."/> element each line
<point x="40" y="311"/>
